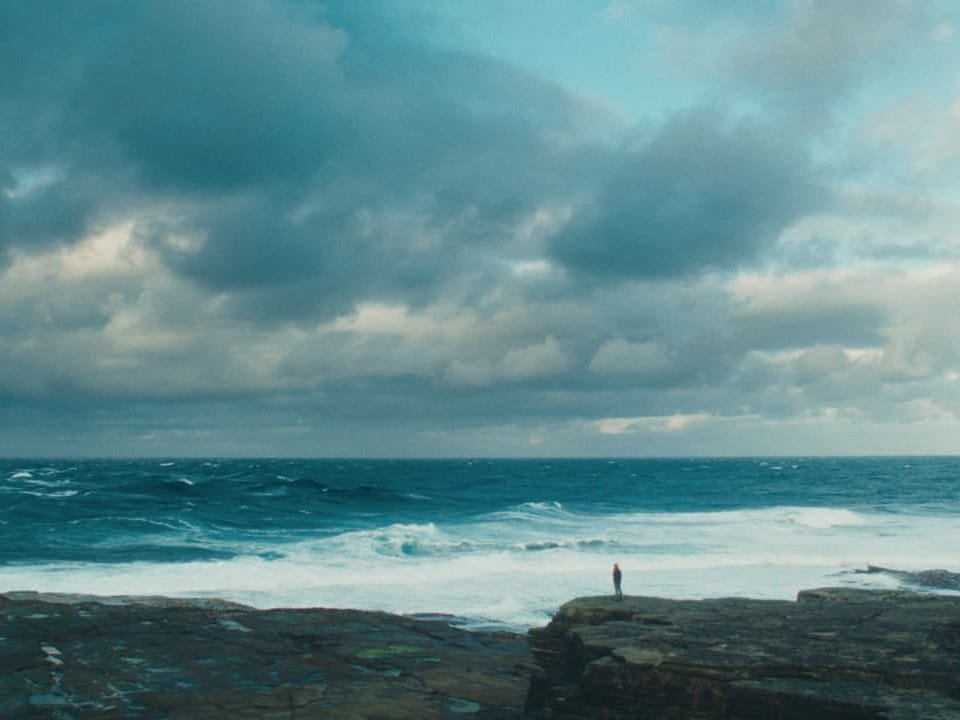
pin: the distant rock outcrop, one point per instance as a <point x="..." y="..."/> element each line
<point x="835" y="654"/>
<point x="937" y="579"/>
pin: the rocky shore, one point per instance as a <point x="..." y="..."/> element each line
<point x="834" y="654"/>
<point x="70" y="657"/>
<point x="831" y="655"/>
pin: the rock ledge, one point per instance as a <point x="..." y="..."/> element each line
<point x="834" y="654"/>
<point x="73" y="657"/>
<point x="831" y="655"/>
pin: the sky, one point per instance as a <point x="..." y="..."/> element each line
<point x="479" y="228"/>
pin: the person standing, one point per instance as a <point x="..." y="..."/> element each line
<point x="617" y="579"/>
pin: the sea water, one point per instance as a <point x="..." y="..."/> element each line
<point x="496" y="543"/>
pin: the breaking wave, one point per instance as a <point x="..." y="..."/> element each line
<point x="497" y="542"/>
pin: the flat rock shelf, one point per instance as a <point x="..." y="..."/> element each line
<point x="82" y="657"/>
<point x="834" y="654"/>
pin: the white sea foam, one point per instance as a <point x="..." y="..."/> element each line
<point x="515" y="569"/>
<point x="49" y="494"/>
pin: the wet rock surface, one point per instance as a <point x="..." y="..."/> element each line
<point x="834" y="654"/>
<point x="84" y="657"/>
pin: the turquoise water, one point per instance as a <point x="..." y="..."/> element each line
<point x="495" y="542"/>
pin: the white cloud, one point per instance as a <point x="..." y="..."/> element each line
<point x="620" y="357"/>
<point x="531" y="267"/>
<point x="921" y="132"/>
<point x="820" y="361"/>
<point x="470" y="373"/>
<point x="926" y="410"/>
<point x="821" y="48"/>
<point x="524" y="363"/>
<point x="655" y="424"/>
<point x="438" y="323"/>
<point x="540" y="360"/>
<point x="113" y="251"/>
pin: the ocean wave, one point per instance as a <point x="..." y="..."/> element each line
<point x="784" y="515"/>
<point x="179" y="483"/>
<point x="46" y="483"/>
<point x="433" y="540"/>
<point x="537" y="545"/>
<point x="491" y="571"/>
<point x="404" y="540"/>
<point x="548" y="510"/>
<point x="128" y="520"/>
<point x="50" y="494"/>
<point x="541" y="545"/>
<point x="32" y="486"/>
<point x="549" y="506"/>
<point x="315" y="490"/>
<point x="503" y="540"/>
<point x="363" y="493"/>
<point x="821" y="518"/>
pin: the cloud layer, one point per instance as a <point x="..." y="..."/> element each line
<point x="276" y="227"/>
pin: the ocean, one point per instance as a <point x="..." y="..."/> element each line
<point x="494" y="543"/>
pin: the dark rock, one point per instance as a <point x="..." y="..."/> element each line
<point x="76" y="657"/>
<point x="832" y="655"/>
<point x="937" y="579"/>
<point x="835" y="654"/>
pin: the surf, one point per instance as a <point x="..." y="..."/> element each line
<point x="495" y="543"/>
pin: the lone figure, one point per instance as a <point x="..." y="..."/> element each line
<point x="617" y="577"/>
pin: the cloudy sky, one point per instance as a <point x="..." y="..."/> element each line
<point x="479" y="227"/>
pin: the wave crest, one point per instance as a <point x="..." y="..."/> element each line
<point x="821" y="518"/>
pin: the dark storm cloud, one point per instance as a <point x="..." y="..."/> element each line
<point x="701" y="195"/>
<point x="52" y="188"/>
<point x="296" y="227"/>
<point x="215" y="95"/>
<point x="49" y="215"/>
<point x="295" y="146"/>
